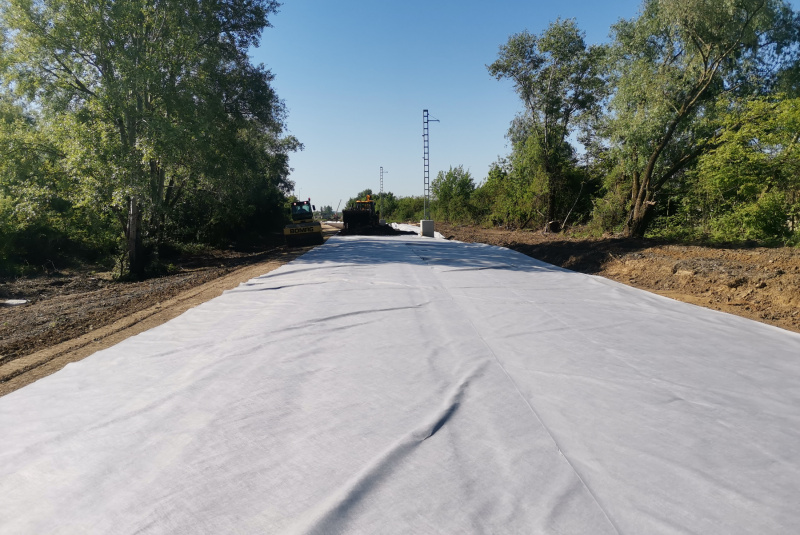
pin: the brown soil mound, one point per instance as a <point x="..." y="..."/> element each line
<point x="759" y="283"/>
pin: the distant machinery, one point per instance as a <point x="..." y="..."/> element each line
<point x="303" y="230"/>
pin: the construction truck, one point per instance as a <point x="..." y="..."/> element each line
<point x="361" y="216"/>
<point x="303" y="230"/>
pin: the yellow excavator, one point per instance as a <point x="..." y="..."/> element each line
<point x="360" y="216"/>
<point x="303" y="230"/>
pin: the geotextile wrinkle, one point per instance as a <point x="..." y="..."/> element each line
<point x="402" y="384"/>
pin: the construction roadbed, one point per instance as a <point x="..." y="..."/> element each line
<point x="402" y="384"/>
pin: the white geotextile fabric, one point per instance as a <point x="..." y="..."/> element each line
<point x="415" y="385"/>
<point x="413" y="228"/>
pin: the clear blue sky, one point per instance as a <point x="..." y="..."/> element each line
<point x="356" y="74"/>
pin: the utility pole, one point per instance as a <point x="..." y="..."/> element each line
<point x="380" y="203"/>
<point x="426" y="161"/>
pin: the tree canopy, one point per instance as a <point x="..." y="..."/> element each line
<point x="155" y="110"/>
<point x="558" y="79"/>
<point x="669" y="115"/>
<point x="125" y="126"/>
<point x="669" y="67"/>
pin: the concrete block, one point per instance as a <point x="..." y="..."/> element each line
<point x="426" y="228"/>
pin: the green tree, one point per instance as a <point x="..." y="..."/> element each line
<point x="409" y="209"/>
<point x="386" y="204"/>
<point x="31" y="204"/>
<point x="749" y="183"/>
<point x="495" y="200"/>
<point x="557" y="77"/>
<point x="451" y="191"/>
<point x="161" y="99"/>
<point x="668" y="67"/>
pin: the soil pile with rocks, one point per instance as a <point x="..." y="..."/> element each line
<point x="759" y="283"/>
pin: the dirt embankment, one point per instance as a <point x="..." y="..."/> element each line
<point x="71" y="315"/>
<point x="762" y="284"/>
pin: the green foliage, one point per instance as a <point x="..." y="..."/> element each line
<point x="748" y="186"/>
<point x="557" y="77"/>
<point x="41" y="221"/>
<point x="451" y="195"/>
<point x="139" y="104"/>
<point x="519" y="192"/>
<point x="511" y="196"/>
<point x="668" y="67"/>
<point x="764" y="220"/>
<point x="407" y="209"/>
<point x="488" y="197"/>
<point x="386" y="204"/>
<point x="680" y="150"/>
<point x="608" y="212"/>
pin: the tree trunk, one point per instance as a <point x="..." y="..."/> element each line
<point x="156" y="224"/>
<point x="135" y="260"/>
<point x="551" y="225"/>
<point x="641" y="214"/>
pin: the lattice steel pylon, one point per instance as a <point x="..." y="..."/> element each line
<point x="380" y="199"/>
<point x="426" y="161"/>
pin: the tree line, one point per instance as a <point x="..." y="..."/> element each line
<point x="129" y="126"/>
<point x="688" y="121"/>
